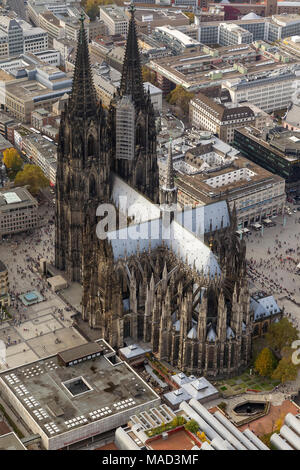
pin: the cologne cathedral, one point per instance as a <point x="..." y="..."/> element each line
<point x="179" y="284"/>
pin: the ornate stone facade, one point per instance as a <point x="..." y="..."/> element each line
<point x="189" y="301"/>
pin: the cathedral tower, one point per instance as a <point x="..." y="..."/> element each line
<point x="82" y="163"/>
<point x="132" y="123"/>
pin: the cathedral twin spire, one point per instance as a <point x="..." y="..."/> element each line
<point x="83" y="101"/>
<point x="131" y="81"/>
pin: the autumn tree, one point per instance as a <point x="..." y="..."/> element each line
<point x="12" y="161"/>
<point x="265" y="362"/>
<point x="92" y="7"/>
<point x="181" y="98"/>
<point x="285" y="371"/>
<point x="149" y="75"/>
<point x="280" y="335"/>
<point x="32" y="176"/>
<point x="190" y="15"/>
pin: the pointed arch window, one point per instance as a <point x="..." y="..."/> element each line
<point x="91" y="146"/>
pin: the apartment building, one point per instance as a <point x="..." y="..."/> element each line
<point x="115" y="19"/>
<point x="269" y="91"/>
<point x="18" y="211"/>
<point x="4" y="286"/>
<point x="216" y="113"/>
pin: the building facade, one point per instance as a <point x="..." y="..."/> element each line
<point x="276" y="150"/>
<point x="186" y="295"/>
<point x="218" y="116"/>
<point x="269" y="91"/>
<point x="18" y="211"/>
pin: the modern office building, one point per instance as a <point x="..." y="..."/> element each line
<point x="149" y="18"/>
<point x="18" y="37"/>
<point x="27" y="83"/>
<point x="18" y="211"/>
<point x="76" y="395"/>
<point x="248" y="29"/>
<point x="215" y="66"/>
<point x="232" y="34"/>
<point x="176" y="40"/>
<point x="115" y="19"/>
<point x="277" y="150"/>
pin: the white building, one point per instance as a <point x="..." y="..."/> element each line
<point x="115" y="19"/>
<point x="268" y="91"/>
<point x="18" y="37"/>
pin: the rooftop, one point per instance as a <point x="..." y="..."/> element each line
<point x="11" y="441"/>
<point x="61" y="398"/>
<point x="16" y="198"/>
<point x="283" y="143"/>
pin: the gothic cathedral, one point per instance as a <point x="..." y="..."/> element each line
<point x="187" y="298"/>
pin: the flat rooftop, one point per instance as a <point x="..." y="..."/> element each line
<point x="284" y="143"/>
<point x="17" y="197"/>
<point x="11" y="441"/>
<point x="62" y="398"/>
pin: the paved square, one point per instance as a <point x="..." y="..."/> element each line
<point x="30" y="334"/>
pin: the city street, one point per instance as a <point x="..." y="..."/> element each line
<point x="273" y="258"/>
<point x="43" y="328"/>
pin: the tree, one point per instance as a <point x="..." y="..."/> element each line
<point x="281" y="334"/>
<point x="191" y="16"/>
<point x="92" y="7"/>
<point x="149" y="75"/>
<point x="192" y="426"/>
<point x="285" y="371"/>
<point x="181" y="98"/>
<point x="12" y="161"/>
<point x="33" y="176"/>
<point x="265" y="362"/>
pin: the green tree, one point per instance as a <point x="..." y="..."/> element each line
<point x="33" y="176"/>
<point x="285" y="370"/>
<point x="192" y="426"/>
<point x="265" y="363"/>
<point x="281" y="334"/>
<point x="181" y="98"/>
<point x="12" y="161"/>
